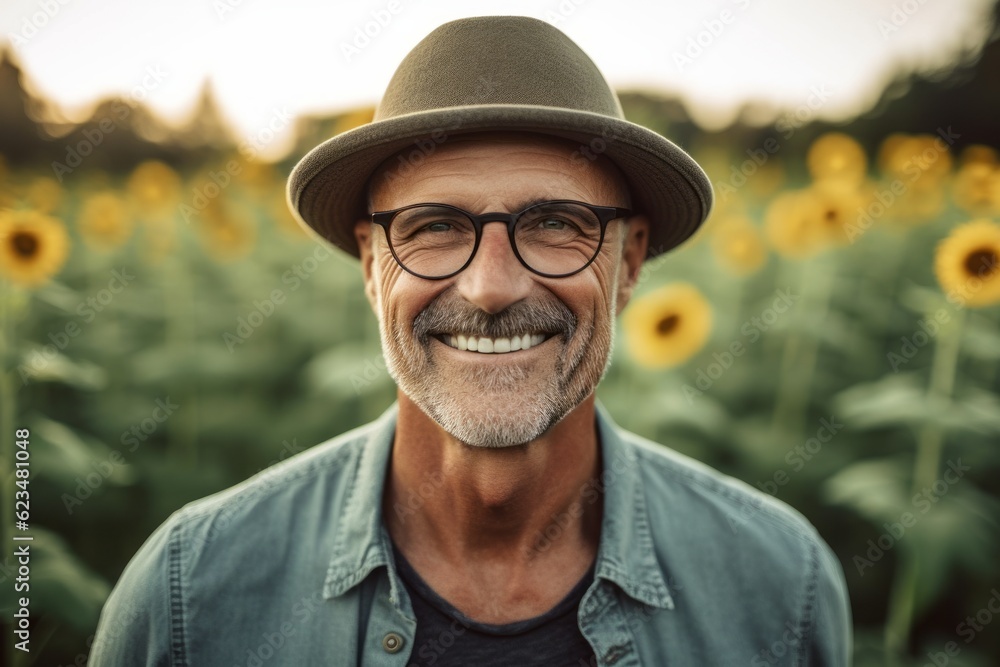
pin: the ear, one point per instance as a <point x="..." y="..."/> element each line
<point x="363" y="230"/>
<point x="633" y="254"/>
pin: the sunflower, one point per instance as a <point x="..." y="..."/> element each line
<point x="836" y="207"/>
<point x="104" y="222"/>
<point x="790" y="225"/>
<point x="915" y="206"/>
<point x="666" y="327"/>
<point x="975" y="187"/>
<point x="154" y="187"/>
<point x="837" y="156"/>
<point x="44" y="194"/>
<point x="33" y="246"/>
<point x="257" y="177"/>
<point x="979" y="153"/>
<point x="768" y="179"/>
<point x="918" y="160"/>
<point x="226" y="237"/>
<point x="967" y="264"/>
<point x="737" y="245"/>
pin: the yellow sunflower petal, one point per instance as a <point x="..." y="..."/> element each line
<point x="226" y="236"/>
<point x="922" y="159"/>
<point x="667" y="326"/>
<point x="44" y="194"/>
<point x="738" y="245"/>
<point x="967" y="264"/>
<point x="104" y="222"/>
<point x="973" y="188"/>
<point x="837" y="206"/>
<point x="790" y="225"/>
<point x="33" y="246"/>
<point x="837" y="156"/>
<point x="154" y="187"/>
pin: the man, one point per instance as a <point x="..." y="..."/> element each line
<point x="495" y="515"/>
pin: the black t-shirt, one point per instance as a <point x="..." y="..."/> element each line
<point x="446" y="637"/>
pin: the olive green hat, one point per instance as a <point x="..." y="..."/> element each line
<point x="498" y="73"/>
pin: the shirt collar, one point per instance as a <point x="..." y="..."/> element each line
<point x="625" y="556"/>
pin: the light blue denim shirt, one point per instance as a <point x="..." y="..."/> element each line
<point x="295" y="567"/>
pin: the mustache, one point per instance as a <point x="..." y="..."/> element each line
<point x="451" y="314"/>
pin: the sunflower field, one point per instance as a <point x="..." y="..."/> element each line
<point x="831" y="337"/>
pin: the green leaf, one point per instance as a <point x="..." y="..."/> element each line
<point x="46" y="364"/>
<point x="875" y="489"/>
<point x="62" y="586"/>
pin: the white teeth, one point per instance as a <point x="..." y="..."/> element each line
<point x="486" y="345"/>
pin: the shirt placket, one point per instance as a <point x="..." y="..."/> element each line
<point x="604" y="624"/>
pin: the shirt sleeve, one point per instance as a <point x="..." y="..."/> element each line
<point x="832" y="638"/>
<point x="138" y="622"/>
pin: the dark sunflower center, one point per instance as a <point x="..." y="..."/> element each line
<point x="667" y="324"/>
<point x="24" y="244"/>
<point x="830" y="215"/>
<point x="982" y="262"/>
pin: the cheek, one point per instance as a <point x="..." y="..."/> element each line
<point x="401" y="296"/>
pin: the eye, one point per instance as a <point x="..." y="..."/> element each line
<point x="555" y="224"/>
<point x="438" y="227"/>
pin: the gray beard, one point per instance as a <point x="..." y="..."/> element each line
<point x="493" y="410"/>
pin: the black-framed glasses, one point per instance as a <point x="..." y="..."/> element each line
<point x="553" y="239"/>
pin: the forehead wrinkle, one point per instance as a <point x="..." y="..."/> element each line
<point x="610" y="184"/>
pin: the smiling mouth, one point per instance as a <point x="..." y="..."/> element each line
<point x="486" y="345"/>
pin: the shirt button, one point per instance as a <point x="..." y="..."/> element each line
<point x="392" y="642"/>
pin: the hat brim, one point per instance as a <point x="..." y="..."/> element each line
<point x="327" y="188"/>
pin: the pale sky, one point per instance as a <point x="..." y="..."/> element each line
<point x="271" y="57"/>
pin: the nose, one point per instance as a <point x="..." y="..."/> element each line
<point x="495" y="278"/>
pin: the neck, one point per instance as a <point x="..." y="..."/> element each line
<point x="462" y="504"/>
